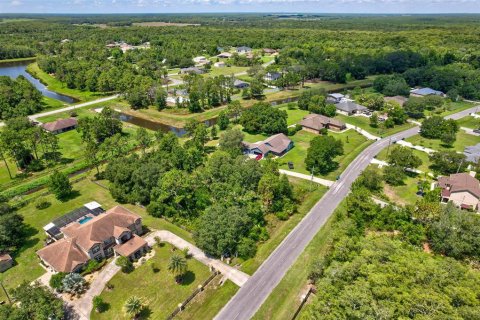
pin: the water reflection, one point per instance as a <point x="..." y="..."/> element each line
<point x="15" y="69"/>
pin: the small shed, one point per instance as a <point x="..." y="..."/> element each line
<point x="6" y="262"/>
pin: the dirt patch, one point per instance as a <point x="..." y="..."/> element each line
<point x="392" y="196"/>
<point x="164" y="24"/>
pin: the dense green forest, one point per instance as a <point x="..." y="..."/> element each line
<point x="437" y="51"/>
<point x="380" y="267"/>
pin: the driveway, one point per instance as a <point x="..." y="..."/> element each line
<point x="76" y="106"/>
<point x="83" y="306"/>
<point x="236" y="276"/>
<point x="327" y="183"/>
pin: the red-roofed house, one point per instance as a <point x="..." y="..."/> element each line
<point x="113" y="232"/>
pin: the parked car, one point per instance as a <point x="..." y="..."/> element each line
<point x="290" y="165"/>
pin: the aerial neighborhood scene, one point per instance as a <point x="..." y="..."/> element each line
<point x="239" y="159"/>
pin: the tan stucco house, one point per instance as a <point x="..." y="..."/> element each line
<point x="462" y="189"/>
<point x="115" y="232"/>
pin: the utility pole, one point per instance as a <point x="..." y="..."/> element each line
<point x="6" y="293"/>
<point x="388" y="148"/>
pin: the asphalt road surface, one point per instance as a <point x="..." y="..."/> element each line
<point x="255" y="291"/>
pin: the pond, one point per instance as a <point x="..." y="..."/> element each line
<point x="157" y="126"/>
<point x="15" y="69"/>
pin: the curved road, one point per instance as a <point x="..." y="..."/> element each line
<point x="255" y="291"/>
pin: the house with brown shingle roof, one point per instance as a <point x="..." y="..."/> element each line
<point x="113" y="232"/>
<point x="462" y="189"/>
<point x="61" y="125"/>
<point x="315" y="123"/>
<point x="277" y="145"/>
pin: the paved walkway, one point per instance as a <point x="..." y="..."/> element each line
<point x="84" y="305"/>
<point x="327" y="183"/>
<point x="364" y="133"/>
<point x="236" y="276"/>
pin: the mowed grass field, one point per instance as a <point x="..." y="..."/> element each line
<point x="353" y="144"/>
<point x="469" y="122"/>
<point x="463" y="140"/>
<point x="158" y="290"/>
<point x="364" y="123"/>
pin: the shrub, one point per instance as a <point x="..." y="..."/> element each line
<point x="125" y="264"/>
<point x="247" y="248"/>
<point x="59" y="185"/>
<point x="98" y="304"/>
<point x="73" y="283"/>
<point x="56" y="281"/>
<point x="93" y="265"/>
<point x="42" y="204"/>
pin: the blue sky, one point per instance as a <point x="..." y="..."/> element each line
<point x="174" y="6"/>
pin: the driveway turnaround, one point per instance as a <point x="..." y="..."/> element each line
<point x="255" y="291"/>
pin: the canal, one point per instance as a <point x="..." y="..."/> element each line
<point x="15" y="69"/>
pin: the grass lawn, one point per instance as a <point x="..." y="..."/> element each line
<point x="353" y="144"/>
<point x="207" y="304"/>
<point x="469" y="122"/>
<point x="16" y="59"/>
<point x="463" y="140"/>
<point x="364" y="123"/>
<point x="226" y="71"/>
<point x="158" y="291"/>
<point x="405" y="194"/>
<point x="295" y="115"/>
<point x="454" y="107"/>
<point x="57" y="86"/>
<point x="27" y="267"/>
<point x="285" y="298"/>
<point x="382" y="155"/>
<point x="52" y="104"/>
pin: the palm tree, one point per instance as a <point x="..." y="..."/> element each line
<point x="177" y="266"/>
<point x="133" y="306"/>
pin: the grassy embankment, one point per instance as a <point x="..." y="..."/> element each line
<point x="56" y="85"/>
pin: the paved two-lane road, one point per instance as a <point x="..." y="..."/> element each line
<point x="255" y="291"/>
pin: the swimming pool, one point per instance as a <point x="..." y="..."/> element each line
<point x="84" y="220"/>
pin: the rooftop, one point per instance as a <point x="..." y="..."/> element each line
<point x="426" y="92"/>
<point x="60" y="124"/>
<point x="131" y="246"/>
